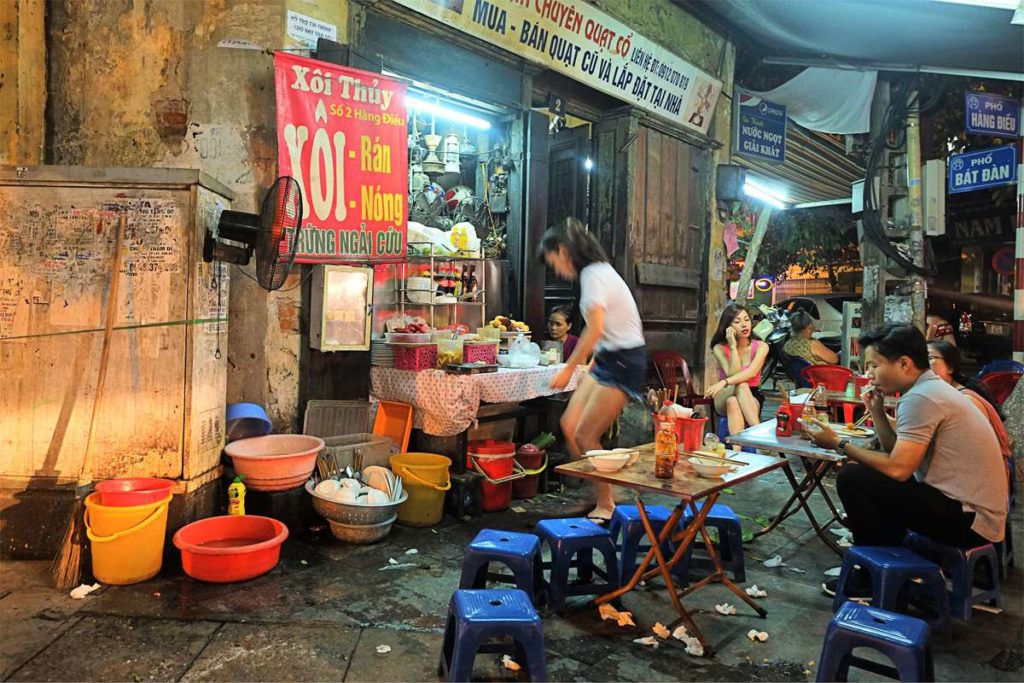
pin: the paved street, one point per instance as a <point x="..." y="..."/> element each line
<point x="321" y="614"/>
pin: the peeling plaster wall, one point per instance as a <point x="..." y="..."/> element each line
<point x="144" y="83"/>
<point x="672" y="27"/>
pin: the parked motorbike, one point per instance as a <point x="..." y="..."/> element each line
<point x="774" y="330"/>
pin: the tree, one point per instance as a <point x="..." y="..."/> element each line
<point x="819" y="238"/>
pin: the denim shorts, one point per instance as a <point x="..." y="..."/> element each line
<point x="623" y="369"/>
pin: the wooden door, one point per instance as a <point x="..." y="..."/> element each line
<point x="667" y="241"/>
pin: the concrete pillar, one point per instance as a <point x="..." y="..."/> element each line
<point x="717" y="265"/>
<point x="22" y="81"/>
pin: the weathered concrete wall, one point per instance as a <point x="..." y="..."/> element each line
<point x="675" y="29"/>
<point x="146" y="84"/>
<point x="22" y="81"/>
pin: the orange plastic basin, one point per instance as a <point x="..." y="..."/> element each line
<point x="230" y="547"/>
<point x="276" y="462"/>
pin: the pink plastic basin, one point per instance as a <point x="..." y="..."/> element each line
<point x="230" y="547"/>
<point x="276" y="462"/>
<point x="132" y="491"/>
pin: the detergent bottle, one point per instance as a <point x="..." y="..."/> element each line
<point x="236" y="496"/>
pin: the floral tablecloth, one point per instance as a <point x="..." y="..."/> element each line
<point x="447" y="404"/>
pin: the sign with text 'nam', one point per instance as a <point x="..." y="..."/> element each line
<point x="587" y="45"/>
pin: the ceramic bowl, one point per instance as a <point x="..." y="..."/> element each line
<point x="711" y="469"/>
<point x="609" y="461"/>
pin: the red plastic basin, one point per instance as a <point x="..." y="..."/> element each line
<point x="230" y="547"/>
<point x="132" y="491"/>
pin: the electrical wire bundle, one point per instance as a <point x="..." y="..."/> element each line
<point x="894" y="125"/>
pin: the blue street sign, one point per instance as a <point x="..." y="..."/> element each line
<point x="987" y="168"/>
<point x="987" y="114"/>
<point x="760" y="129"/>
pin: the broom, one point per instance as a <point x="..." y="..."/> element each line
<point x="67" y="565"/>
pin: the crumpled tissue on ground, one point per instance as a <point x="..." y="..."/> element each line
<point x="650" y="641"/>
<point x="693" y="646"/>
<point x="758" y="636"/>
<point x="755" y="592"/>
<point x="725" y="609"/>
<point x="83" y="590"/>
<point x="623" y="618"/>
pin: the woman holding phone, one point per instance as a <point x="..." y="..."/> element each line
<point x="740" y="357"/>
<point x="613" y="329"/>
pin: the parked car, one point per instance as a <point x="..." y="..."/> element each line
<point x="827" y="311"/>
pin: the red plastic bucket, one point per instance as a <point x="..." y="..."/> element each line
<point x="496" y="460"/>
<point x="689" y="432"/>
<point x="534" y="463"/>
<point x="132" y="491"/>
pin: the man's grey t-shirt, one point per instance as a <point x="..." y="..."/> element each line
<point x="963" y="459"/>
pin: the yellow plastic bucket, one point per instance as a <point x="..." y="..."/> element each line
<point x="425" y="477"/>
<point x="127" y="543"/>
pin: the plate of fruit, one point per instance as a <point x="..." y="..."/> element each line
<point x="410" y="331"/>
<point x="509" y="327"/>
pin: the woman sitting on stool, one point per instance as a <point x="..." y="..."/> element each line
<point x="740" y="358"/>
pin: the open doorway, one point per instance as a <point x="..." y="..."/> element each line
<point x="569" y="171"/>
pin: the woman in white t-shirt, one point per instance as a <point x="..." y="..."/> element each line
<point x="613" y="328"/>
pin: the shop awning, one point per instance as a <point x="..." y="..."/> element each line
<point x="816" y="169"/>
<point x="952" y="34"/>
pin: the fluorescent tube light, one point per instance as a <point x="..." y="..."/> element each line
<point x="758" y="192"/>
<point x="446" y="113"/>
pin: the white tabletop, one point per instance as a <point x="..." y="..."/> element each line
<point x="763" y="436"/>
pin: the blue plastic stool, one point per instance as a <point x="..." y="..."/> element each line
<point x="629" y="536"/>
<point x="572" y="543"/>
<point x="729" y="546"/>
<point x="723" y="433"/>
<point x="892" y="569"/>
<point x="477" y="616"/>
<point x="519" y="552"/>
<point x="903" y="639"/>
<point x="959" y="566"/>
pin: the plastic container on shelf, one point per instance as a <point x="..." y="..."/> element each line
<point x="416" y="357"/>
<point x="480" y="352"/>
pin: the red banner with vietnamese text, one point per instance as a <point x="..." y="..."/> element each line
<point x="341" y="133"/>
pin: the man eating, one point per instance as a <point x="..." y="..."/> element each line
<point x="938" y="471"/>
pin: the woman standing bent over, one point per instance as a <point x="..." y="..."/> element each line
<point x="612" y="327"/>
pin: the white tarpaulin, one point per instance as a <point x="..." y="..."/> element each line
<point x="827" y="100"/>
